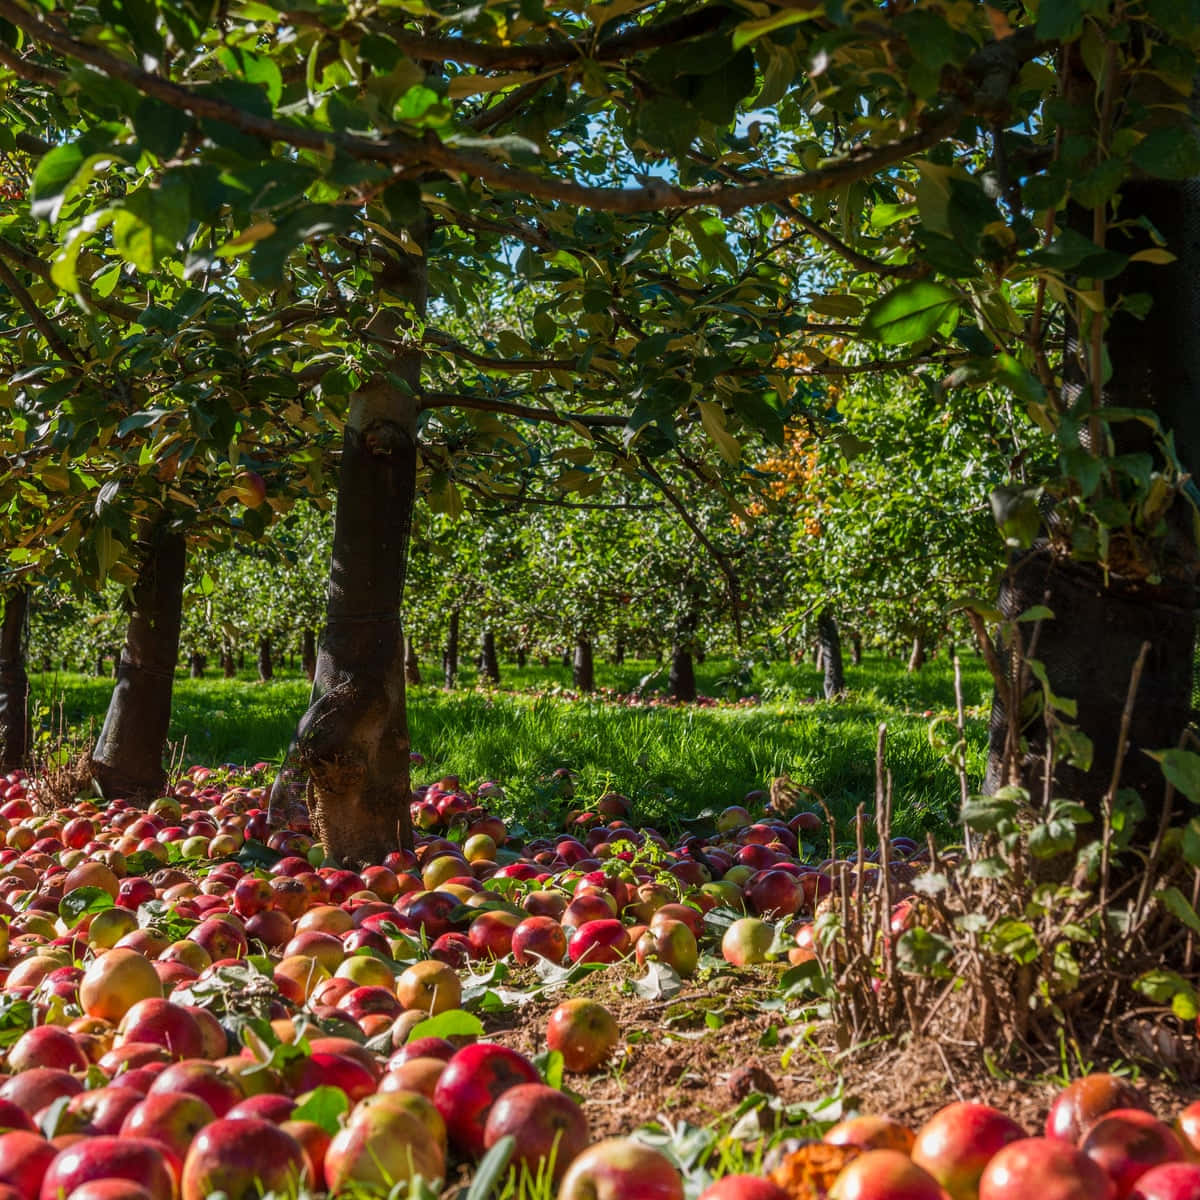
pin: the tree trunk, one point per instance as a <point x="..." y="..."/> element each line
<point x="522" y="656"/>
<point x="682" y="677"/>
<point x="583" y="669"/>
<point x="308" y="653"/>
<point x="228" y="666"/>
<point x="916" y="660"/>
<point x="412" y="665"/>
<point x="266" y="669"/>
<point x="1102" y="619"/>
<point x="619" y="653"/>
<point x="450" y="654"/>
<point x="544" y="660"/>
<point x="856" y="649"/>
<point x="489" y="664"/>
<point x="831" y="654"/>
<point x="196" y="664"/>
<point x="101" y="663"/>
<point x="566" y="656"/>
<point x="116" y="663"/>
<point x="1088" y="652"/>
<point x="353" y="742"/>
<point x="14" y="682"/>
<point x="128" y="758"/>
<point x="699" y="653"/>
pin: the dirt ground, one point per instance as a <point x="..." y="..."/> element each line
<point x="696" y="1056"/>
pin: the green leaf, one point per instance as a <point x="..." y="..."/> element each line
<point x="81" y="902"/>
<point x="550" y="1065"/>
<point x="324" y="1106"/>
<point x="1182" y="770"/>
<point x="988" y="813"/>
<point x="491" y="1170"/>
<point x="55" y="173"/>
<point x="1169" y="153"/>
<point x="159" y="127"/>
<point x="452" y="1023"/>
<point x="751" y="31"/>
<point x="1060" y="20"/>
<point x="1180" y="907"/>
<point x="910" y="312"/>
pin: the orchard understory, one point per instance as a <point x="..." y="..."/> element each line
<point x="196" y="1001"/>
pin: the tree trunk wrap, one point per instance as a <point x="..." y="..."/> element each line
<point x="831" y="654"/>
<point x="14" y="681"/>
<point x="266" y="667"/>
<point x="489" y="664"/>
<point x="128" y="757"/>
<point x="412" y="664"/>
<point x="1089" y="650"/>
<point x="450" y="653"/>
<point x="583" y="670"/>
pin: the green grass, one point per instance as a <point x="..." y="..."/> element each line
<point x="674" y="762"/>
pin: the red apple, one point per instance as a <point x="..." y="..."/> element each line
<point x="196" y="1077"/>
<point x="135" y="1159"/>
<point x="1127" y="1142"/>
<point x="242" y="1158"/>
<point x="539" y="937"/>
<point x="1078" y="1107"/>
<point x="474" y="1079"/>
<point x="884" y="1175"/>
<point x="743" y="1187"/>
<point x="170" y="1119"/>
<point x="1171" y="1181"/>
<point x="604" y="941"/>
<point x="621" y="1169"/>
<point x="379" y="1149"/>
<point x="670" y="942"/>
<point x="958" y="1141"/>
<point x="1044" y="1169"/>
<point x="24" y="1159"/>
<point x="584" y="1032"/>
<point x="548" y="1126"/>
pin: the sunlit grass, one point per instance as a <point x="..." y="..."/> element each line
<point x="673" y="762"/>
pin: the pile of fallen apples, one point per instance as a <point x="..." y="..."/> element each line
<point x="191" y="1002"/>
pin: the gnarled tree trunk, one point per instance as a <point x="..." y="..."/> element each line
<point x="831" y="654"/>
<point x="489" y="664"/>
<point x="128" y="758"/>
<point x="450" y="654"/>
<point x="353" y="742"/>
<point x="583" y="670"/>
<point x="14" y="681"/>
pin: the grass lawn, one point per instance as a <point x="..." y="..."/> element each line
<point x="674" y="762"/>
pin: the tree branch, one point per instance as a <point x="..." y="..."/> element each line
<point x="719" y="557"/>
<point x="435" y="400"/>
<point x="41" y="322"/>
<point x="546" y="55"/>
<point x="402" y="151"/>
<point x="36" y="266"/>
<point x="511" y="366"/>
